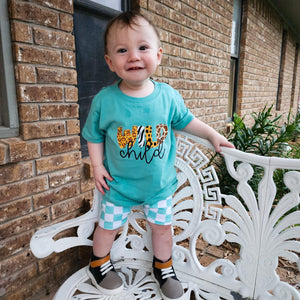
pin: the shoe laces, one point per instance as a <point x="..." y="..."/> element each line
<point x="167" y="272"/>
<point x="106" y="267"/>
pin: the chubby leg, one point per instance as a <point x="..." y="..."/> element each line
<point x="161" y="241"/>
<point x="103" y="240"/>
<point x="163" y="270"/>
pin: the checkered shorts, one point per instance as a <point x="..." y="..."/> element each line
<point x="113" y="217"/>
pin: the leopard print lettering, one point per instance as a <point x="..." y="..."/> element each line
<point x="161" y="133"/>
<point x="128" y="138"/>
<point x="148" y="134"/>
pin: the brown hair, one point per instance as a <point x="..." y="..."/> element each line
<point x="127" y="18"/>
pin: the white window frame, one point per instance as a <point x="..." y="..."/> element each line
<point x="109" y="7"/>
<point x="234" y="60"/>
<point x="114" y="4"/>
<point x="9" y="122"/>
<point x="235" y="30"/>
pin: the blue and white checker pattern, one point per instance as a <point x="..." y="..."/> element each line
<point x="159" y="213"/>
<point x="113" y="217"/>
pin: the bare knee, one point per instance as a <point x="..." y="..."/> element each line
<point x="106" y="233"/>
<point x="160" y="229"/>
<point x="103" y="240"/>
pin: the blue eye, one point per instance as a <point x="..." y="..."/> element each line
<point x="121" y="50"/>
<point x="143" y="48"/>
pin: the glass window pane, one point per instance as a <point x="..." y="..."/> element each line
<point x="114" y="4"/>
<point x="236" y="24"/>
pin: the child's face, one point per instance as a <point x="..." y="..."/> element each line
<point x="133" y="52"/>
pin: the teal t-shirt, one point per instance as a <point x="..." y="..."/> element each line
<point x="140" y="146"/>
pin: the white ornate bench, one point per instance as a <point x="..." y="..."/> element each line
<point x="263" y="232"/>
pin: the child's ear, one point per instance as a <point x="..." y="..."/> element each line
<point x="109" y="62"/>
<point x="159" y="55"/>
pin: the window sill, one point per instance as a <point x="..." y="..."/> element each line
<point x="6" y="132"/>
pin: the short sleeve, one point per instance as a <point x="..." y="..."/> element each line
<point x="182" y="116"/>
<point x="91" y="130"/>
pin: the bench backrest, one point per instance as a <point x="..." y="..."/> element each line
<point x="262" y="231"/>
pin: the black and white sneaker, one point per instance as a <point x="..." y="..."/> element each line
<point x="103" y="275"/>
<point x="165" y="276"/>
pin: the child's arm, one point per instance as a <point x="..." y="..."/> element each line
<point x="202" y="130"/>
<point x="96" y="152"/>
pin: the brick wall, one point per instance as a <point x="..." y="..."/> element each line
<point x="286" y="91"/>
<point x="41" y="171"/>
<point x="196" y="44"/>
<point x="42" y="177"/>
<point x="260" y="62"/>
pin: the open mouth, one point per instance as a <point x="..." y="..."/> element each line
<point x="135" y="68"/>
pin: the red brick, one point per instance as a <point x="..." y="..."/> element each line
<point x="87" y="184"/>
<point x="171" y="72"/>
<point x="188" y="54"/>
<point x="25" y="73"/>
<point x="55" y="39"/>
<point x="66" y="22"/>
<point x="42" y="130"/>
<point x="75" y="203"/>
<point x="68" y="59"/>
<point x="32" y="54"/>
<point x="17" y="280"/>
<point x="30" y="93"/>
<point x="56" y="195"/>
<point x="189" y="11"/>
<point x="25" y="223"/>
<point x="21" y="150"/>
<point x="21" y="32"/>
<point x="60" y="145"/>
<point x="18" y="262"/>
<point x="59" y="111"/>
<point x="15" y="244"/>
<point x="56" y="75"/>
<point x="64" y="176"/>
<point x="65" y="207"/>
<point x="159" y="9"/>
<point x="73" y="127"/>
<point x="29" y="112"/>
<point x="176" y="40"/>
<point x="32" y="13"/>
<point x="22" y="189"/>
<point x="54" y="163"/>
<point x="66" y="6"/>
<point x="39" y="287"/>
<point x="172" y="50"/>
<point x="15" y="209"/>
<point x="14" y="172"/>
<point x="71" y="94"/>
<point x="178" y="17"/>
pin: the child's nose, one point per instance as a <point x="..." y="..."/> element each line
<point x="133" y="56"/>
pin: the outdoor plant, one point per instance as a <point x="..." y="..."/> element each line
<point x="265" y="137"/>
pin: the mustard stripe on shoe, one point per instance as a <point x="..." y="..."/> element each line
<point x="99" y="262"/>
<point x="163" y="265"/>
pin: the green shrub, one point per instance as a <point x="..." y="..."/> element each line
<point x="266" y="138"/>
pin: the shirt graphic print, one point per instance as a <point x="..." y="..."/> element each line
<point x="142" y="135"/>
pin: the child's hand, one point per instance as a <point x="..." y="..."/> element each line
<point x="219" y="140"/>
<point x="101" y="175"/>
